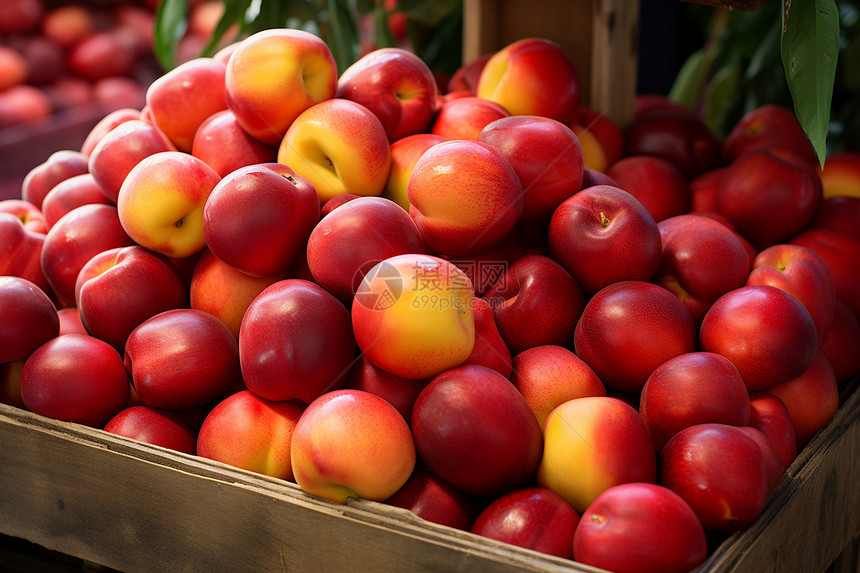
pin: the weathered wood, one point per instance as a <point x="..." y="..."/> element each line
<point x="136" y="507"/>
<point x="601" y="37"/>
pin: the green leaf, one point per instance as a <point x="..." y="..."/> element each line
<point x="234" y="13"/>
<point x="810" y="48"/>
<point x="719" y="97"/>
<point x="690" y="80"/>
<point x="342" y="34"/>
<point x="382" y="30"/>
<point x="171" y="23"/>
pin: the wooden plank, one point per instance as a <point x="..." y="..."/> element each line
<point x="136" y="507"/>
<point x="814" y="513"/>
<point x="600" y="36"/>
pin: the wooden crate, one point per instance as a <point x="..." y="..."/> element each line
<point x="601" y="36"/>
<point x="136" y="507"/>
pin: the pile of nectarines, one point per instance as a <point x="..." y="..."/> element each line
<point x="68" y="55"/>
<point x="491" y="306"/>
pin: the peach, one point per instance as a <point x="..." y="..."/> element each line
<point x="801" y="272"/>
<point x="475" y="430"/>
<point x="768" y="194"/>
<point x="258" y="218"/>
<point x="120" y="150"/>
<point x="655" y="182"/>
<point x="405" y="153"/>
<point x="768" y="125"/>
<point x="591" y="444"/>
<point x="350" y="443"/>
<point x="222" y="143"/>
<point x="464" y="197"/>
<point x="413" y="316"/>
<point x="532" y="76"/>
<point x="396" y="85"/>
<point x="24" y="104"/>
<point x="273" y="76"/>
<point x="811" y="398"/>
<point x="13" y="68"/>
<point x="69" y="194"/>
<point x="841" y="345"/>
<point x="354" y="237"/>
<point x="841" y="175"/>
<point x="185" y="96"/>
<point x="223" y="291"/>
<point x="102" y="54"/>
<point x="72" y="241"/>
<point x="340" y="147"/>
<point x="154" y="426"/>
<point x="546" y="156"/>
<point x="465" y="117"/>
<point x="693" y="388"/>
<point x="628" y="329"/>
<point x="59" y="166"/>
<point x="251" y="433"/>
<point x="549" y="375"/>
<point x="105" y="125"/>
<point x="766" y="333"/>
<point x="161" y="201"/>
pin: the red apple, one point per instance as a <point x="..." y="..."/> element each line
<point x="693" y="388"/>
<point x="118" y="289"/>
<point x="181" y="359"/>
<point x="258" y="218"/>
<point x="546" y="156"/>
<point x="641" y="527"/>
<point x="536" y="302"/>
<point x="475" y="430"/>
<point x="764" y="331"/>
<point x="295" y="342"/>
<point x="154" y="426"/>
<point x="536" y="518"/>
<point x="75" y="378"/>
<point x="602" y="235"/>
<point x="655" y="182"/>
<point x="628" y="329"/>
<point x="28" y="318"/>
<point x="703" y="190"/>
